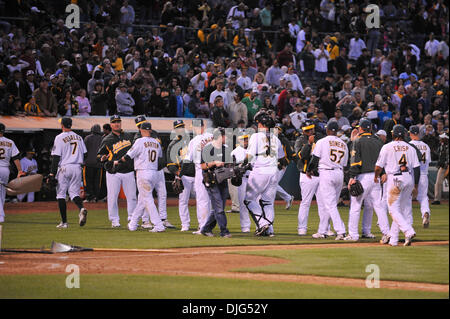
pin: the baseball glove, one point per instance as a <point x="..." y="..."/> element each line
<point x="51" y="181"/>
<point x="356" y="189"/>
<point x="177" y="185"/>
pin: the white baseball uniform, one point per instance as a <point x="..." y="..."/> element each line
<point x="399" y="185"/>
<point x="263" y="179"/>
<point x="333" y="156"/>
<point x="195" y="148"/>
<point x="422" y="189"/>
<point x="240" y="153"/>
<point x="70" y="147"/>
<point x="28" y="166"/>
<point x="145" y="152"/>
<point x="8" y="150"/>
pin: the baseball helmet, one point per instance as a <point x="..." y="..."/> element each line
<point x="139" y="120"/>
<point x="398" y="131"/>
<point x="267" y="121"/>
<point x="2" y="128"/>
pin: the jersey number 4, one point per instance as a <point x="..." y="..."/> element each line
<point x="403" y="161"/>
<point x="336" y="155"/>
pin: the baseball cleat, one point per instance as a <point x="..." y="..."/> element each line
<point x="207" y="234"/>
<point x="340" y="237"/>
<point x="185" y="228"/>
<point x="147" y="225"/>
<point x="289" y="203"/>
<point x="132" y="227"/>
<point x="198" y="232"/>
<point x="436" y="202"/>
<point x="156" y="230"/>
<point x="426" y="220"/>
<point x="83" y="216"/>
<point x="408" y="240"/>
<point x="330" y="233"/>
<point x="385" y="239"/>
<point x="262" y="230"/>
<point x="167" y="224"/>
<point x="245" y="230"/>
<point x="318" y="236"/>
<point x="115" y="225"/>
<point x="226" y="235"/>
<point x="62" y="225"/>
<point x="302" y="232"/>
<point x="369" y="235"/>
<point x="349" y="238"/>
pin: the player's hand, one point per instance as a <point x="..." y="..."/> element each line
<point x="308" y="174"/>
<point x="21" y="173"/>
<point x="375" y="179"/>
<point x="354" y="135"/>
<point x="383" y="178"/>
<point x="103" y="158"/>
<point x="219" y="163"/>
<point x="116" y="163"/>
<point x="351" y="182"/>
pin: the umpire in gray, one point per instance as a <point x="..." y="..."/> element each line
<point x="363" y="156"/>
<point x="215" y="155"/>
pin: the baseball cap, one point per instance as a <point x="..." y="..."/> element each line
<point x="307" y="125"/>
<point x="279" y="126"/>
<point x="178" y="123"/>
<point x="66" y="63"/>
<point x="346" y="127"/>
<point x="122" y="85"/>
<point x="146" y="126"/>
<point x="30" y="72"/>
<point x="398" y="131"/>
<point x="381" y="132"/>
<point x="333" y="126"/>
<point x="53" y="76"/>
<point x="443" y="135"/>
<point x="435" y="113"/>
<point x="66" y="122"/>
<point x="414" y="129"/>
<point x="115" y="118"/>
<point x="365" y="123"/>
<point x="2" y="128"/>
<point x="140" y="119"/>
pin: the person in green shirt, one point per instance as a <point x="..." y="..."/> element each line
<point x="253" y="104"/>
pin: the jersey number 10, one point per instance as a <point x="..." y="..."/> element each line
<point x="151" y="155"/>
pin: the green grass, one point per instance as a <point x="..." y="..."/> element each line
<point x="38" y="230"/>
<point x="182" y="287"/>
<point x="421" y="264"/>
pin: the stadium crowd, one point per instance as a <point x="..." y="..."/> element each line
<point x="297" y="59"/>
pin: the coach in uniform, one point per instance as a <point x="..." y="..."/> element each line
<point x="176" y="155"/>
<point x="8" y="151"/>
<point x="69" y="154"/>
<point x="288" y="156"/>
<point x="113" y="147"/>
<point x="363" y="156"/>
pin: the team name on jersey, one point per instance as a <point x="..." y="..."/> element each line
<point x="401" y="148"/>
<point x="70" y="138"/>
<point x="5" y="143"/>
<point x="337" y="144"/>
<point x="421" y="147"/>
<point x="120" y="146"/>
<point x="151" y="144"/>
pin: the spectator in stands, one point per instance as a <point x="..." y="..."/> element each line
<point x="124" y="101"/>
<point x="218" y="115"/>
<point x="68" y="106"/>
<point x="45" y="99"/>
<point x="84" y="107"/>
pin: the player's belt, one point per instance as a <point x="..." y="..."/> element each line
<point x="331" y="169"/>
<point x="400" y="173"/>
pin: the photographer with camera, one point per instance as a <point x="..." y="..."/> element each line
<point x="215" y="155"/>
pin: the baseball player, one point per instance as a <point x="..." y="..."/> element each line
<point x="68" y="154"/>
<point x="330" y="156"/>
<point x="399" y="159"/>
<point x="30" y="167"/>
<point x="176" y="154"/>
<point x="364" y="154"/>
<point x="145" y="152"/>
<point x="288" y="155"/>
<point x="160" y="185"/>
<point x="424" y="159"/>
<point x="264" y="152"/>
<point x="8" y="151"/>
<point x="113" y="147"/>
<point x="304" y="145"/>
<point x="195" y="147"/>
<point x="215" y="155"/>
<point x="239" y="154"/>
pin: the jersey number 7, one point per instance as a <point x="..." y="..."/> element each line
<point x="74" y="144"/>
<point x="334" y="155"/>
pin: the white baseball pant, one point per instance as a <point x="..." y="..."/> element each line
<point x="422" y="195"/>
<point x="367" y="217"/>
<point x="202" y="198"/>
<point x="30" y="197"/>
<point x="264" y="187"/>
<point x="308" y="187"/>
<point x="280" y="191"/>
<point x="244" y="217"/>
<point x="4" y="177"/>
<point x="161" y="191"/>
<point x="399" y="189"/>
<point x="69" y="181"/>
<point x="146" y="181"/>
<point x="372" y="191"/>
<point x="329" y="191"/>
<point x="183" y="200"/>
<point x="114" y="182"/>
